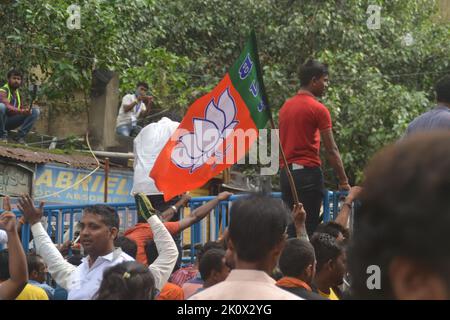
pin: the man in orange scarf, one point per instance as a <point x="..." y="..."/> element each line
<point x="298" y="265"/>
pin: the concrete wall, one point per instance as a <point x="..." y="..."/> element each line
<point x="71" y="119"/>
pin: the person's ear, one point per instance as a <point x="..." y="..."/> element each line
<point x="114" y="232"/>
<point x="329" y="265"/>
<point x="309" y="271"/>
<point x="413" y="281"/>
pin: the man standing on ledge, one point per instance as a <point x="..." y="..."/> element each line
<point x="303" y="120"/>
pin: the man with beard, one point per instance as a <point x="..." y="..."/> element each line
<point x="13" y="112"/>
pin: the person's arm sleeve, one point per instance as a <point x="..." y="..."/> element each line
<point x="59" y="269"/>
<point x="324" y="119"/>
<point x="126" y="101"/>
<point x="3" y="237"/>
<point x="167" y="253"/>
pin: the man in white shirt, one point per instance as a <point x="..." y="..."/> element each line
<point x="257" y="236"/>
<point x="133" y="107"/>
<point x="99" y="228"/>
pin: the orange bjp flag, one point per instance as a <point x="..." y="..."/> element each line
<point x="217" y="130"/>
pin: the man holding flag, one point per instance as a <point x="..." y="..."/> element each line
<point x="303" y="120"/>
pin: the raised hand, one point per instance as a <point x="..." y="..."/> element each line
<point x="224" y="195"/>
<point x="298" y="214"/>
<point x="31" y="214"/>
<point x="8" y="222"/>
<point x="6" y="203"/>
<point x="185" y="198"/>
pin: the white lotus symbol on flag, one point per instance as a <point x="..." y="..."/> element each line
<point x="195" y="148"/>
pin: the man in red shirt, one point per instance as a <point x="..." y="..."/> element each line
<point x="303" y="120"/>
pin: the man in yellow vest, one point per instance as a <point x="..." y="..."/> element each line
<point x="13" y="113"/>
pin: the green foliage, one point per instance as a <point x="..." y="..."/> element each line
<point x="183" y="48"/>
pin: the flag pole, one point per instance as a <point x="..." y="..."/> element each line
<point x="286" y="165"/>
<point x="272" y="123"/>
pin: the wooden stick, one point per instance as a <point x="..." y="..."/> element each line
<point x="286" y="167"/>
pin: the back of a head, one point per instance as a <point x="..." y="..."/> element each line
<point x="34" y="262"/>
<point x="332" y="228"/>
<point x="312" y="69"/>
<point x="128" y="280"/>
<point x="326" y="248"/>
<point x="211" y="261"/>
<point x="443" y="89"/>
<point x="296" y="257"/>
<point x="108" y="214"/>
<point x="258" y="223"/>
<point x="4" y="265"/>
<point x="127" y="245"/>
<point x="405" y="212"/>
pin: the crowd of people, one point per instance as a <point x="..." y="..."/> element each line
<point x="388" y="240"/>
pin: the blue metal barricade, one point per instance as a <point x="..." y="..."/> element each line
<point x="61" y="219"/>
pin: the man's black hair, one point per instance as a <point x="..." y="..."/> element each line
<point x="312" y="69"/>
<point x="4" y="265"/>
<point x="127" y="245"/>
<point x="34" y="261"/>
<point x="108" y="214"/>
<point x="142" y="84"/>
<point x="14" y="72"/>
<point x="211" y="261"/>
<point x="326" y="248"/>
<point x="405" y="212"/>
<point x="333" y="229"/>
<point x="258" y="223"/>
<point x="443" y="89"/>
<point x="296" y="257"/>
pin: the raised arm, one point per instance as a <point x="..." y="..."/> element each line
<point x="344" y="213"/>
<point x="59" y="269"/>
<point x="334" y="157"/>
<point x="18" y="271"/>
<point x="299" y="218"/>
<point x="168" y="214"/>
<point x="202" y="211"/>
<point x="163" y="266"/>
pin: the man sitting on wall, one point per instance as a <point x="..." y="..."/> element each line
<point x="13" y="113"/>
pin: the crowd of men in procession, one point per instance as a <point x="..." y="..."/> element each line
<point x="272" y="248"/>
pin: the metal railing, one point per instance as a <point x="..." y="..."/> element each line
<point x="60" y="221"/>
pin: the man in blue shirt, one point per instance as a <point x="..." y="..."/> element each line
<point x="439" y="117"/>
